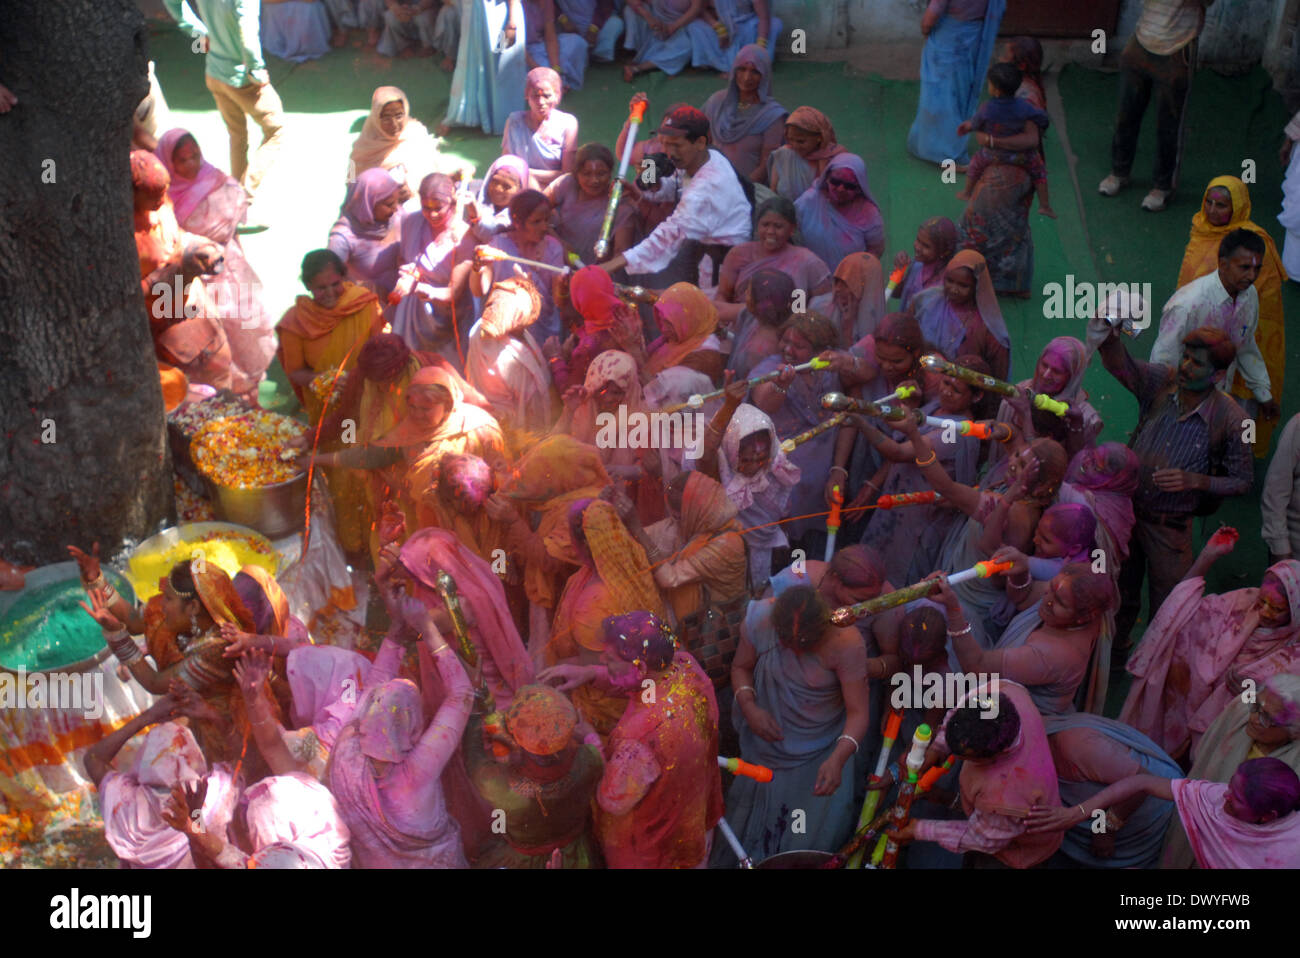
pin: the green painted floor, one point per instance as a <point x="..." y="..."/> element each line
<point x="1231" y="120"/>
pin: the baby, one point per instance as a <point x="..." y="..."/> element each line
<point x="1004" y="114"/>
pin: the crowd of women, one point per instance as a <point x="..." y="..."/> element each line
<point x="578" y="624"/>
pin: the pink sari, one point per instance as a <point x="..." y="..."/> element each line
<point x="1220" y="840"/>
<point x="298" y="810"/>
<point x="1203" y="637"/>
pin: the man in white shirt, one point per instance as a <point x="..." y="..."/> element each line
<point x="1157" y="61"/>
<point x="712" y="208"/>
<point x="1226" y="300"/>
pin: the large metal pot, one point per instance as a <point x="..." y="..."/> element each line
<point x="64" y="572"/>
<point x="274" y="511"/>
<point x="793" y="860"/>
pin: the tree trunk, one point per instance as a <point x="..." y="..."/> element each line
<point x="83" y="443"/>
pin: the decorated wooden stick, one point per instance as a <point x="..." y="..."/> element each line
<point x="848" y="614"/>
<point x="924" y="785"/>
<point x="898" y="499"/>
<point x="833" y="521"/>
<point x="637" y="294"/>
<point x="790" y="445"/>
<point x="738" y="766"/>
<point x="983" y="381"/>
<point x="902" y="392"/>
<point x="974" y="428"/>
<point x="842" y="403"/>
<point x="493" y="721"/>
<point x="616" y="191"/>
<point x="902" y="811"/>
<point x="892" y="725"/>
<point x="490" y="254"/>
<point x="698" y="400"/>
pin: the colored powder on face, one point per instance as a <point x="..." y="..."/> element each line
<point x="46" y="628"/>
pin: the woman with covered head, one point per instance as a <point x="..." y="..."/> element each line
<point x="801" y="710"/>
<point x="1224" y="208"/>
<point x="689" y="322"/>
<point x="1104" y="479"/>
<point x="1048" y="647"/>
<point x="962" y="315"/>
<point x="1200" y="650"/>
<point x="1250" y="822"/>
<point x="613" y="576"/>
<point x="697" y="553"/>
<point x="489" y="213"/>
<point x="837" y="215"/>
<point x="528" y="237"/>
<point x="745" y="119"/>
<point x="743" y="452"/>
<point x="391" y="139"/>
<point x="608" y="323"/>
<point x="435" y="308"/>
<point x="386" y="767"/>
<point x="857" y="296"/>
<point x="775" y="225"/>
<point x="182" y="630"/>
<point x="757" y="328"/>
<point x="809" y="143"/>
<point x="580" y="197"/>
<point x="1058" y="374"/>
<point x="544" y="136"/>
<point x="545" y="784"/>
<point x="505" y="361"/>
<point x="364" y="236"/>
<point x="133" y="803"/>
<point x="1005" y="515"/>
<point x="1266" y="726"/>
<point x="159" y="239"/>
<point x="465" y="483"/>
<point x="793" y="400"/>
<point x="934" y="247"/>
<point x="209" y="203"/>
<point x="661" y="794"/>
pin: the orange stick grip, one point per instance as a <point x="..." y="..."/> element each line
<point x="988" y="569"/>
<point x="638" y="112"/>
<point x="893" y="724"/>
<point x="930" y="777"/>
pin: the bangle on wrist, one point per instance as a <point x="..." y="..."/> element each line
<point x="847" y="737"/>
<point x="1021" y="585"/>
<point x="746" y="688"/>
<point x="929" y="462"/>
<point x="841" y="469"/>
<point x="960" y="632"/>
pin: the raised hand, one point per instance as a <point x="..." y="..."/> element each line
<point x="251" y="672"/>
<point x="98" y="610"/>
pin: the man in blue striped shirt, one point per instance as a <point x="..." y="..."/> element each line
<point x="1191" y="446"/>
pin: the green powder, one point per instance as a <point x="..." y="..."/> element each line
<point x="46" y="628"/>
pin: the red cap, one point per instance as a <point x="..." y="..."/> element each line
<point x="685" y="121"/>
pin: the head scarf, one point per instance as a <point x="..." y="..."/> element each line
<point x="265" y="600"/>
<point x="516" y="166"/>
<point x="858" y="567"/>
<point x="467" y="473"/>
<point x="437" y="186"/>
<point x="431" y="551"/>
<point x="283" y="856"/>
<point x="610" y="366"/>
<point x="942" y="233"/>
<point x="691" y="315"/>
<point x="298" y="812"/>
<point x="371" y="187"/>
<point x="408" y="432"/>
<point x="390" y="720"/>
<point x="865" y="277"/>
<point x="863" y="212"/>
<point x="1076" y="527"/>
<point x="706" y="510"/>
<point x="986" y="299"/>
<point x="742" y="490"/>
<point x="814" y="327"/>
<point x="412" y="149"/>
<point x="541" y="720"/>
<point x="1109" y="487"/>
<point x="149" y="177"/>
<point x="1202" y="254"/>
<point x="815" y="121"/>
<point x="217" y="593"/>
<point x="1075" y="354"/>
<point x="641" y="638"/>
<point x="591" y="290"/>
<point x="727" y="122"/>
<point x="383" y="357"/>
<point x="555" y="467"/>
<point x="186" y="194"/>
<point x="133" y="802"/>
<point x="325" y="682"/>
<point x="1286" y="686"/>
<point x="511" y="306"/>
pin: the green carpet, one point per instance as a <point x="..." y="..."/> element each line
<point x="1230" y="120"/>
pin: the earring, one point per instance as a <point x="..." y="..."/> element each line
<point x="194" y="623"/>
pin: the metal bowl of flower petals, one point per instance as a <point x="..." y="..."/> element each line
<point x="253" y="474"/>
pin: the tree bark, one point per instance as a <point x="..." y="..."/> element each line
<point x="83" y="444"/>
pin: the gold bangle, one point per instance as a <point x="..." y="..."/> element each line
<point x="929" y="462"/>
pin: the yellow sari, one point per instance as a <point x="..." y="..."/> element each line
<point x="323" y="339"/>
<point x="1202" y="257"/>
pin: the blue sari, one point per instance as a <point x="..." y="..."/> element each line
<point x="953" y="65"/>
<point x="1138" y="843"/>
<point x="488" y="84"/>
